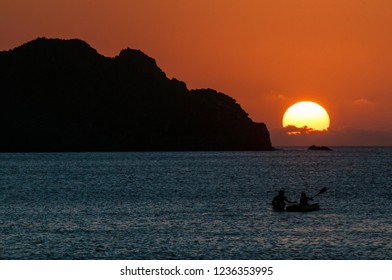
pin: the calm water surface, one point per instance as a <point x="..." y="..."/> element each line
<point x="195" y="205"/>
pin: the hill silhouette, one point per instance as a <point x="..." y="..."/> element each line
<point x="62" y="95"/>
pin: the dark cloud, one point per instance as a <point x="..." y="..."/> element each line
<point x="293" y="130"/>
<point x="343" y="137"/>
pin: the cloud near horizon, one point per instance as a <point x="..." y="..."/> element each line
<point x="363" y="102"/>
<point x="341" y="137"/>
<point x="293" y="130"/>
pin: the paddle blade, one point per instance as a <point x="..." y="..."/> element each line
<point x="323" y="190"/>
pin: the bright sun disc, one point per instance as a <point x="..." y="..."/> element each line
<point x="306" y="115"/>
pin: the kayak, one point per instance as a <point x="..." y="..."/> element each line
<point x="279" y="209"/>
<point x="302" y="208"/>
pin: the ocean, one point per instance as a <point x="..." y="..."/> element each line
<point x="195" y="205"/>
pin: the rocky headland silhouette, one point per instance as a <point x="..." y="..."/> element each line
<point x="62" y="95"/>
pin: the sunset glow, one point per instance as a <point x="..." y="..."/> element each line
<point x="306" y="115"/>
<point x="264" y="54"/>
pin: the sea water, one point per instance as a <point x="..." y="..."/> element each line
<point x="195" y="205"/>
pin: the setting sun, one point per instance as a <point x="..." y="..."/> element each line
<point x="306" y="116"/>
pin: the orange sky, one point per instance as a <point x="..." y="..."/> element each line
<point x="267" y="54"/>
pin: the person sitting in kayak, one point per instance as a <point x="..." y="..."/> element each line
<point x="304" y="199"/>
<point x="279" y="201"/>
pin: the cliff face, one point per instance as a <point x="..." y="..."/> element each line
<point x="61" y="95"/>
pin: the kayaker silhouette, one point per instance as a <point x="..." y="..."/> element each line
<point x="279" y="201"/>
<point x="304" y="200"/>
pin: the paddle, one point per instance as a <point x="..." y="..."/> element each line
<point x="323" y="190"/>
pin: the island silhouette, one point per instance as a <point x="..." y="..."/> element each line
<point x="62" y="95"/>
